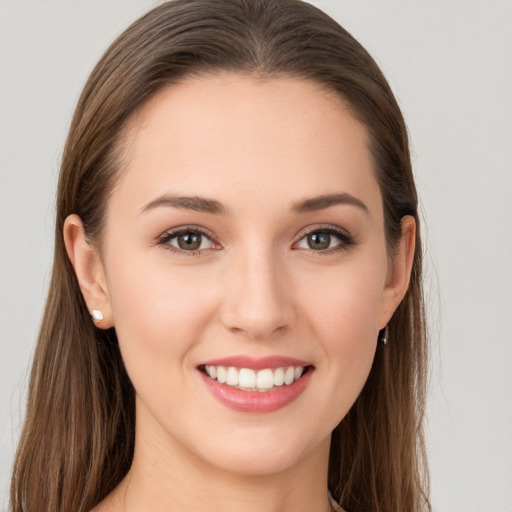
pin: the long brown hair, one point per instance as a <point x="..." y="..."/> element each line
<point x="78" y="439"/>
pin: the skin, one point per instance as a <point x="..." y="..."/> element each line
<point x="257" y="147"/>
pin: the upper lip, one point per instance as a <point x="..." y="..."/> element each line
<point x="256" y="363"/>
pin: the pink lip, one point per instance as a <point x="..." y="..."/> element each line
<point x="257" y="363"/>
<point x="256" y="401"/>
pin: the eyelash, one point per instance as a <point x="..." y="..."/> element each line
<point x="345" y="239"/>
<point x="164" y="239"/>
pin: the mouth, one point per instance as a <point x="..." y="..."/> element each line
<point x="256" y="385"/>
<point x="252" y="380"/>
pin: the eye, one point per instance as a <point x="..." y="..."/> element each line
<point x="325" y="240"/>
<point x="187" y="240"/>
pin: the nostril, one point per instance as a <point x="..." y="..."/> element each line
<point x="257" y="306"/>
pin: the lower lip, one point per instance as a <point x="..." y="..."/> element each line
<point x="257" y="401"/>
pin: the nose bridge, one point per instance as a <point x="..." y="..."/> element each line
<point x="257" y="303"/>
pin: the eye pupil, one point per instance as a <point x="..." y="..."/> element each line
<point x="319" y="240"/>
<point x="189" y="241"/>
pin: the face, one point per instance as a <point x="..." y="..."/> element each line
<point x="245" y="237"/>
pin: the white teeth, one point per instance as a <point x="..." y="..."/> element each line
<point x="212" y="371"/>
<point x="279" y="377"/>
<point x="232" y="379"/>
<point x="289" y="375"/>
<point x="222" y="374"/>
<point x="249" y="379"/>
<point x="265" y="379"/>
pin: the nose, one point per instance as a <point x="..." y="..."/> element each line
<point x="258" y="297"/>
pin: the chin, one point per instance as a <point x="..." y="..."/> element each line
<point x="262" y="454"/>
<point x="256" y="464"/>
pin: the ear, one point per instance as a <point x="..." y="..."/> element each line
<point x="89" y="271"/>
<point x="399" y="273"/>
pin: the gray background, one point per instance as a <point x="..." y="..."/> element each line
<point x="450" y="65"/>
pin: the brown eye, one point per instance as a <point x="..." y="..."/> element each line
<point x="325" y="240"/>
<point x="189" y="241"/>
<point x="319" y="240"/>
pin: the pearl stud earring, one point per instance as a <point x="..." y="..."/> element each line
<point x="97" y="315"/>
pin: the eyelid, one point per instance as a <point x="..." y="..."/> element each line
<point x="169" y="234"/>
<point x="345" y="238"/>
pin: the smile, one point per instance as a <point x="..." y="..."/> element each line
<point x="256" y="386"/>
<point x="247" y="379"/>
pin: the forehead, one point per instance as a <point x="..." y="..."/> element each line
<point x="237" y="138"/>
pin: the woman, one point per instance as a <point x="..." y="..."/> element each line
<point x="235" y="316"/>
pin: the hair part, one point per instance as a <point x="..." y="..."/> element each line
<point x="78" y="438"/>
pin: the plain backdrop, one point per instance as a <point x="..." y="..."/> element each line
<point x="450" y="65"/>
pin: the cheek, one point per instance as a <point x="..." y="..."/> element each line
<point x="159" y="316"/>
<point x="344" y="304"/>
<point x="159" y="312"/>
<point x="343" y="313"/>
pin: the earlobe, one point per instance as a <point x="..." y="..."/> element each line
<point x="400" y="269"/>
<point x="89" y="271"/>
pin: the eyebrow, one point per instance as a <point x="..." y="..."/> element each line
<point x="326" y="201"/>
<point x="205" y="205"/>
<point x="195" y="203"/>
